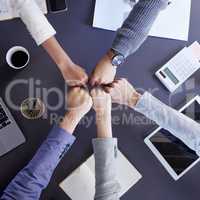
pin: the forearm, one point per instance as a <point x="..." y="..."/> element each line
<point x="105" y="153"/>
<point x="104" y="127"/>
<point x="42" y="32"/>
<point x="70" y="121"/>
<point x="29" y="182"/>
<point x="57" y="53"/>
<point x="35" y="21"/>
<point x="136" y="27"/>
<point x="168" y="118"/>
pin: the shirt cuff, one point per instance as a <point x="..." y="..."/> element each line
<point x="35" y="21"/>
<point x="56" y="146"/>
<point x="144" y="103"/>
<point x="105" y="147"/>
<point x="62" y="136"/>
<point x="61" y="140"/>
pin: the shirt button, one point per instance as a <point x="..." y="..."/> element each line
<point x="67" y="146"/>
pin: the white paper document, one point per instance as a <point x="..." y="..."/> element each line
<point x="81" y="183"/>
<point x="173" y="22"/>
<point x="8" y="12"/>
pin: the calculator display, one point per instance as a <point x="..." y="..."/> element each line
<point x="171" y="76"/>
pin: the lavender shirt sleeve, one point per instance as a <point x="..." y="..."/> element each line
<point x="34" y="178"/>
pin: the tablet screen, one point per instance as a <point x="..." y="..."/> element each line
<point x="173" y="150"/>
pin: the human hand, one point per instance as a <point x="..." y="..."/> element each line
<point x="79" y="103"/>
<point x="102" y="106"/>
<point x="101" y="102"/>
<point x="104" y="72"/>
<point x="74" y="75"/>
<point x="122" y="92"/>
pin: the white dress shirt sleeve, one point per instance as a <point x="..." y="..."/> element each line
<point x="181" y="126"/>
<point x="35" y="21"/>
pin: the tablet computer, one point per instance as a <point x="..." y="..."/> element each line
<point x="175" y="156"/>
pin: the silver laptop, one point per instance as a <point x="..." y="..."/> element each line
<point x="10" y="134"/>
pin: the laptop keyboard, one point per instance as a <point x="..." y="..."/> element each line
<point x="4" y="120"/>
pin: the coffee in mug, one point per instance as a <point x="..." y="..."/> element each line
<point x="17" y="57"/>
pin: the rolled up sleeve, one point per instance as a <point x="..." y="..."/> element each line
<point x="35" y="21"/>
<point x="34" y="178"/>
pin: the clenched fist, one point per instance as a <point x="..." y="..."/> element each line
<point x="74" y="75"/>
<point x="122" y="92"/>
<point x="79" y="103"/>
<point x="104" y="73"/>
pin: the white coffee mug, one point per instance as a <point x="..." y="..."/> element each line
<point x="11" y="52"/>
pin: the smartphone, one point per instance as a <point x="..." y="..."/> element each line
<point x="58" y="5"/>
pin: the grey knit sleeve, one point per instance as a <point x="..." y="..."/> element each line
<point x="105" y="153"/>
<point x="136" y="27"/>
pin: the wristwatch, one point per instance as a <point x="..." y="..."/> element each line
<point x="117" y="59"/>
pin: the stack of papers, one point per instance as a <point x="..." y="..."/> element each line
<point x="172" y="22"/>
<point x="8" y="12"/>
<point x="81" y="183"/>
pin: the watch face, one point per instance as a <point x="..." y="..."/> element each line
<point x="118" y="60"/>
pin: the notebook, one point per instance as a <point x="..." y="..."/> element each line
<point x="172" y="22"/>
<point x="8" y="12"/>
<point x="81" y="183"/>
